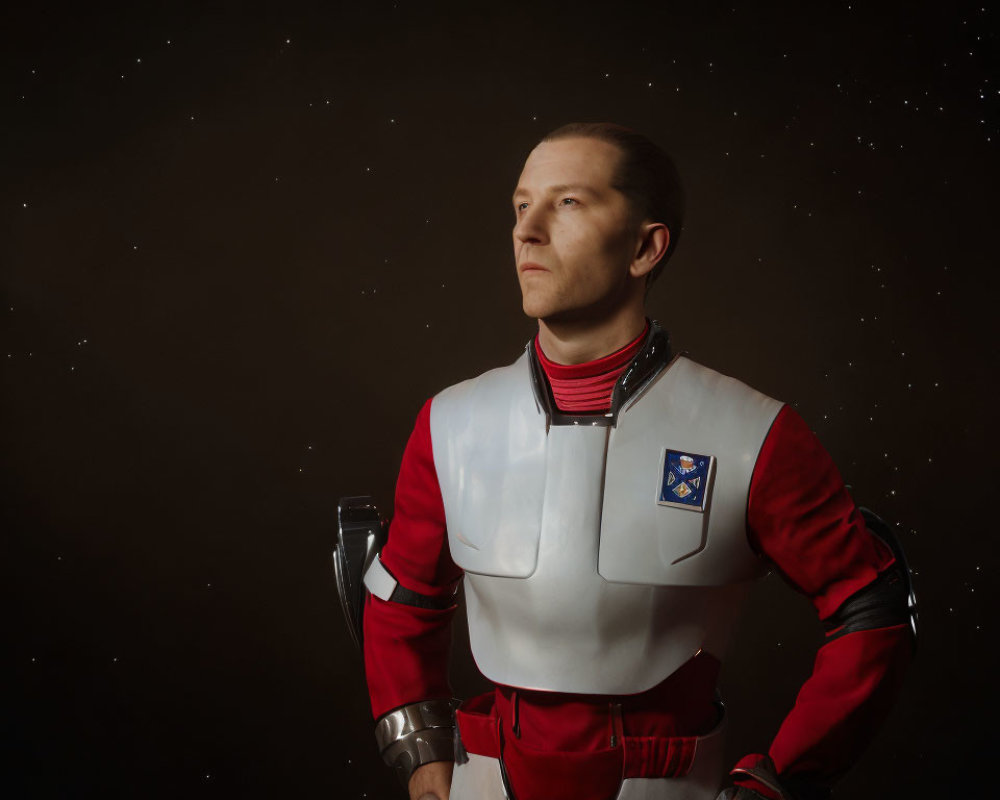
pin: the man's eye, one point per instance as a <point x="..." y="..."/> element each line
<point x="518" y="206"/>
<point x="571" y="199"/>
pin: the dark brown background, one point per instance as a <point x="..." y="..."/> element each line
<point x="235" y="265"/>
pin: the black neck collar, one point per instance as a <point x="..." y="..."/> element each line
<point x="654" y="355"/>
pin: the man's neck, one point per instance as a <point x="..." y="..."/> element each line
<point x="578" y="342"/>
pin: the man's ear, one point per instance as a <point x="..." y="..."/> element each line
<point x="654" y="239"/>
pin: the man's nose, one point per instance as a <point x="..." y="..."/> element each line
<point x="531" y="226"/>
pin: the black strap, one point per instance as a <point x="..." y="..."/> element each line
<point x="880" y="604"/>
<point x="410" y="598"/>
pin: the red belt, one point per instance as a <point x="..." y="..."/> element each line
<point x="584" y="775"/>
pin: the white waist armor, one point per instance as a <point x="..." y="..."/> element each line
<point x="577" y="578"/>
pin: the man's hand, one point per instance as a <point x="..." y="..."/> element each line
<point x="431" y="781"/>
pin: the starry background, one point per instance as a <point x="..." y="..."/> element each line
<point x="241" y="247"/>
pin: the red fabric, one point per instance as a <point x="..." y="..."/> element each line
<point x="680" y="705"/>
<point x="418" y="557"/>
<point x="586" y="388"/>
<point x="541" y="772"/>
<point x="799" y="516"/>
<point x="547" y="774"/>
<point x="477" y="724"/>
<point x="563" y="748"/>
<point x="839" y="709"/>
<point x="658" y="756"/>
<point x="406" y="653"/>
<point x="802" y="518"/>
<point x="406" y="648"/>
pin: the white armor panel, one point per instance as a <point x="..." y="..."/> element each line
<point x="695" y="409"/>
<point x="577" y="580"/>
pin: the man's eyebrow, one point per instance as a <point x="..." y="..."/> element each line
<point x="562" y="187"/>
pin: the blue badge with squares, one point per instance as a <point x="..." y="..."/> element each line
<point x="685" y="479"/>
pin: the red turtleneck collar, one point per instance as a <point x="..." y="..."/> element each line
<point x="586" y="388"/>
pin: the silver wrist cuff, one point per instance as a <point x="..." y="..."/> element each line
<point x="417" y="734"/>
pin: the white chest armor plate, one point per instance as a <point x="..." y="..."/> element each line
<point x="577" y="579"/>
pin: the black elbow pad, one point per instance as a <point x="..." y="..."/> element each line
<point x="361" y="534"/>
<point x="886" y="601"/>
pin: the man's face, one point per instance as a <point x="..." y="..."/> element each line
<point x="576" y="227"/>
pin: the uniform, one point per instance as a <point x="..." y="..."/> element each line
<point x="606" y="557"/>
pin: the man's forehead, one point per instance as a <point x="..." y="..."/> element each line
<point x="580" y="165"/>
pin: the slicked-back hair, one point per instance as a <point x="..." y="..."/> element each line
<point x="645" y="174"/>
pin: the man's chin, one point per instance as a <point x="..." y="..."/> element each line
<point x="536" y="309"/>
<point x="554" y="311"/>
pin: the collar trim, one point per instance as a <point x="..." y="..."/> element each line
<point x="653" y="357"/>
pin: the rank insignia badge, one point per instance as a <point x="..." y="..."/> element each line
<point x="684" y="479"/>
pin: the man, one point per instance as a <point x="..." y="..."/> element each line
<point x="608" y="503"/>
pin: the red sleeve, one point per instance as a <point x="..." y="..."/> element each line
<point x="406" y="648"/>
<point x="801" y="517"/>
